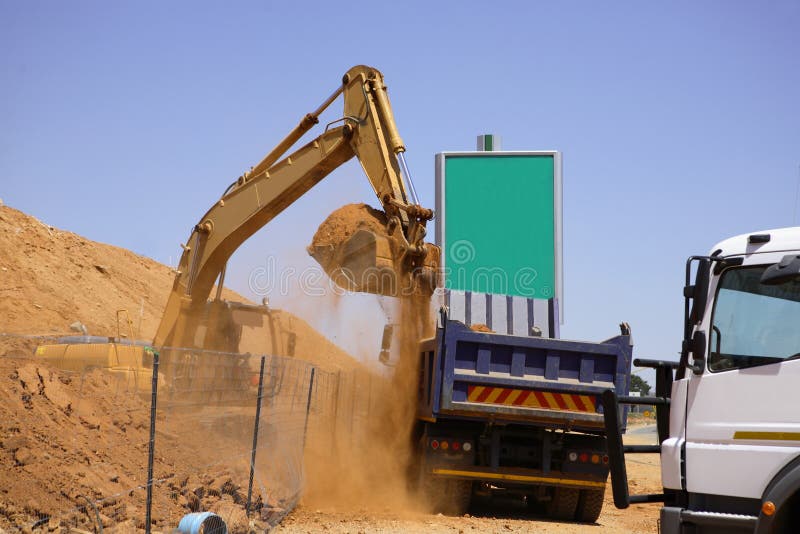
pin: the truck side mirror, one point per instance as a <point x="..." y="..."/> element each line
<point x="698" y="352"/>
<point x="695" y="297"/>
<point x="699" y="291"/>
<point x="786" y="270"/>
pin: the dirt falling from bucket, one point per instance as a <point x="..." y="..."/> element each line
<point x="362" y="460"/>
<point x="367" y="465"/>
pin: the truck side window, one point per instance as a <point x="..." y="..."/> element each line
<point x="753" y="324"/>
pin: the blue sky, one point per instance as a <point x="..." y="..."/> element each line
<point x="679" y="123"/>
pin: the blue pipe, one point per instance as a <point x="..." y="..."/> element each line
<point x="210" y="523"/>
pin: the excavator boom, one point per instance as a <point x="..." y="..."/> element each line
<point x="368" y="131"/>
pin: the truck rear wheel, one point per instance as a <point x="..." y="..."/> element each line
<point x="563" y="504"/>
<point x="459" y="493"/>
<point x="446" y="495"/>
<point x="590" y="504"/>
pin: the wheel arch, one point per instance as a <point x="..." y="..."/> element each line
<point x="781" y="489"/>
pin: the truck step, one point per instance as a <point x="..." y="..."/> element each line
<point x="641" y="448"/>
<point x="718" y="519"/>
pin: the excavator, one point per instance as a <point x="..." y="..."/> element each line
<point x="367" y="131"/>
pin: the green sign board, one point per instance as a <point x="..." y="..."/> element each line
<point x="499" y="222"/>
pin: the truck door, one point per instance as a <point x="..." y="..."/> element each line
<point x="741" y="408"/>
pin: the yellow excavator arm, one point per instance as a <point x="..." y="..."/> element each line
<point x="366" y="130"/>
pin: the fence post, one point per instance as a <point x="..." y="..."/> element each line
<point x="352" y="406"/>
<point x="369" y="398"/>
<point x="152" y="446"/>
<point x="308" y="406"/>
<point x="255" y="436"/>
<point x="334" y="436"/>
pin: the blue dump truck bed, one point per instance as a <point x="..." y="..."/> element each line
<point x="530" y="380"/>
<point x="518" y="416"/>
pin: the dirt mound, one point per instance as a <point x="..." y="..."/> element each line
<point x="51" y="278"/>
<point x="67" y="439"/>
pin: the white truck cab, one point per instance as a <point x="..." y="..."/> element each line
<point x="730" y="457"/>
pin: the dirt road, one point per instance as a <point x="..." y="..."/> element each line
<point x="499" y="517"/>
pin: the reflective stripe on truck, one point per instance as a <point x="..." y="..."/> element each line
<point x="529" y="398"/>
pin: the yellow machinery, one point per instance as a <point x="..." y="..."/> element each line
<point x="366" y="130"/>
<point x="191" y="321"/>
<point x="129" y="361"/>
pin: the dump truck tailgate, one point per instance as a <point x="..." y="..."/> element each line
<point x="472" y="374"/>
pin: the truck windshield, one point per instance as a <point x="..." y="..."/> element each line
<point x="753" y="324"/>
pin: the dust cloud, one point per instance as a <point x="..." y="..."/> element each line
<point x="363" y="459"/>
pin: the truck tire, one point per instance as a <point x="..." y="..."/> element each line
<point x="446" y="495"/>
<point x="460" y="493"/>
<point x="563" y="504"/>
<point x="590" y="503"/>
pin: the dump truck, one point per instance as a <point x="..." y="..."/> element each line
<point x="516" y="415"/>
<point x="506" y="407"/>
<point x="726" y="412"/>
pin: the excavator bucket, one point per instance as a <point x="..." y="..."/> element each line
<point x="363" y="263"/>
<point x="353" y="248"/>
<point x="371" y="263"/>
